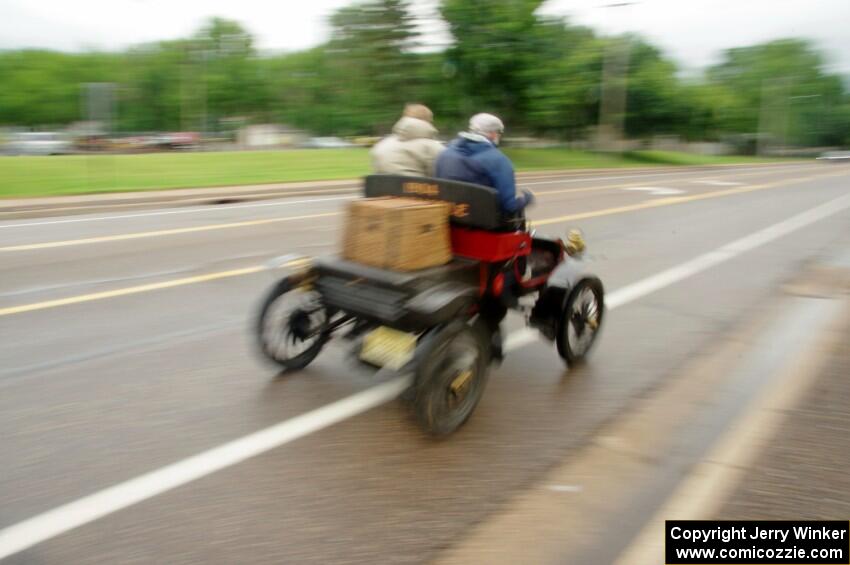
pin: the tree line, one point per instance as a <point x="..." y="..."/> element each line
<point x="542" y="74"/>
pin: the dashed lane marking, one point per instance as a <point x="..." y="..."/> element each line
<point x="656" y="190"/>
<point x="712" y="182"/>
<point x="676" y="200"/>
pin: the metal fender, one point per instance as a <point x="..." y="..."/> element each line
<point x="569" y="273"/>
<point x="447" y="299"/>
<point x="547" y="311"/>
<point x="298" y="269"/>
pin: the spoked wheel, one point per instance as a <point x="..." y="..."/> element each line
<point x="292" y="326"/>
<point x="450" y="378"/>
<point x="581" y="320"/>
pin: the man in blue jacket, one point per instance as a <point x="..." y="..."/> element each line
<point x="473" y="157"/>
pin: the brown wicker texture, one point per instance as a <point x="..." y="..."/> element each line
<point x="402" y="234"/>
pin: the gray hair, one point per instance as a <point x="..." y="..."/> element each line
<point x="419" y="111"/>
<point x="485" y="123"/>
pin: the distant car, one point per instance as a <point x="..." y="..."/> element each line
<point x="131" y="143"/>
<point x="366" y="140"/>
<point x="173" y="141"/>
<point x="835" y="157"/>
<point x="39" y="143"/>
<point x="326" y="143"/>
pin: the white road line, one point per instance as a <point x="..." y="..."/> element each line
<point x="656" y="190"/>
<point x="717" y="182"/>
<point x="64" y="518"/>
<point x="795" y="342"/>
<point x="565" y="488"/>
<point x="594" y="179"/>
<point x="637" y="175"/>
<point x="705" y="261"/>
<point x="211" y="208"/>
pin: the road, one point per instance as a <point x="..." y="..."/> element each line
<point x="125" y="349"/>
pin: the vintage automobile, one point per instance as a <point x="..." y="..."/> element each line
<point x="440" y="324"/>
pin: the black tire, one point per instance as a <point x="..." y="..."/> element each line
<point x="581" y="320"/>
<point x="451" y="375"/>
<point x="291" y="325"/>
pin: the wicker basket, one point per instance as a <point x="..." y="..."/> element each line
<point x="403" y="234"/>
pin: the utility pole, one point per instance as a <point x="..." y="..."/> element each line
<point x="612" y="102"/>
<point x="762" y="127"/>
<point x="99" y="108"/>
<point x="789" y="111"/>
<point x="774" y="113"/>
<point x="98" y="103"/>
<point x="184" y="88"/>
<point x="203" y="84"/>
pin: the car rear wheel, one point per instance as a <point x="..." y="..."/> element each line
<point x="292" y="326"/>
<point x="450" y="378"/>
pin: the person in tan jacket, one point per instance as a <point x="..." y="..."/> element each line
<point x="412" y="148"/>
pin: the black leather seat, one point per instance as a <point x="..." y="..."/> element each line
<point x="475" y="206"/>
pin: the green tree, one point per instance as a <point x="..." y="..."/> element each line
<point x="43" y="88"/>
<point x="655" y="99"/>
<point x="541" y="74"/>
<point x="781" y="89"/>
<point x="495" y="44"/>
<point x="302" y="90"/>
<point x="562" y="90"/>
<point x="150" y="95"/>
<point x="231" y="81"/>
<point x="370" y="58"/>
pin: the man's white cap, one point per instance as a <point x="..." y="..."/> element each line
<point x="485" y="123"/>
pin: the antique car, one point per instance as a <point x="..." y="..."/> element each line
<point x="442" y="325"/>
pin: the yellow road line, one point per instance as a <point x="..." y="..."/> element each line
<point x="159" y="233"/>
<point x="128" y="290"/>
<point x="258" y="268"/>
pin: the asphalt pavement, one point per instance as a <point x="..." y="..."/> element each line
<point x="125" y="352"/>
<point x="802" y="474"/>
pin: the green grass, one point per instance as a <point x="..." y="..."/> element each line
<point x="78" y="174"/>
<point x="75" y="174"/>
<point x="673" y="158"/>
<point x="535" y="159"/>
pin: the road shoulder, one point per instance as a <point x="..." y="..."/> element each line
<point x="679" y="452"/>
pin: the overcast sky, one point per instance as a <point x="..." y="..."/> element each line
<point x="693" y="32"/>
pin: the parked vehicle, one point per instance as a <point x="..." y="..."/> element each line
<point x="39" y="143"/>
<point x="326" y="143"/>
<point x="175" y="141"/>
<point x="835" y="157"/>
